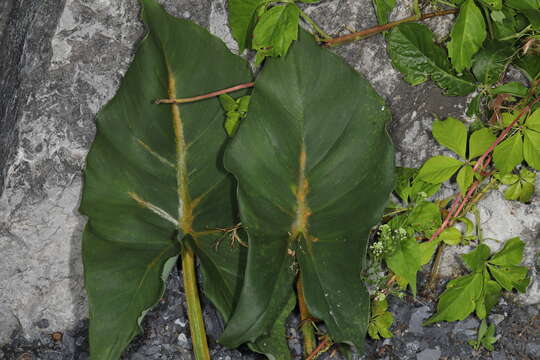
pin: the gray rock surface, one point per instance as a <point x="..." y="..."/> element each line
<point x="65" y="61"/>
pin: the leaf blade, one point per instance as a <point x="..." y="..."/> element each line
<point x="286" y="200"/>
<point x="467" y="36"/>
<point x="135" y="177"/>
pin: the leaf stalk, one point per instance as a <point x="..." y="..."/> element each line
<point x="196" y="322"/>
<point x="305" y="320"/>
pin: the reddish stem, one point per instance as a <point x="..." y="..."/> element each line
<point x="205" y="96"/>
<point x="480" y="167"/>
<point x="318" y="349"/>
<point x="447" y="219"/>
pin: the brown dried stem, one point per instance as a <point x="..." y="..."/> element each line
<point x="381" y="28"/>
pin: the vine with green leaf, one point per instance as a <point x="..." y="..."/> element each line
<point x="277" y="204"/>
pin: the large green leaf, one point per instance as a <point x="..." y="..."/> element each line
<point x="414" y="52"/>
<point x="467" y="36"/>
<point x="315" y="166"/>
<point x="152" y="177"/>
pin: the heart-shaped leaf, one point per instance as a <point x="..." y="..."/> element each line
<point x="315" y="167"/>
<point x="152" y="176"/>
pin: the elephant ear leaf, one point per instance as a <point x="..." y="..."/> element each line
<point x="152" y="177"/>
<point x="315" y="167"/>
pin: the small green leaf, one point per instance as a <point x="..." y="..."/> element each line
<point x="527" y="192"/>
<point x="438" y="169"/>
<point x="467" y="36"/>
<point x="534" y="18"/>
<point x="513" y="192"/>
<point x="427" y="249"/>
<point x="242" y="19"/>
<point x="509" y="153"/>
<point x="503" y="266"/>
<point x="510" y="254"/>
<point x="508" y="179"/>
<point x="410" y="189"/>
<point x="507" y="27"/>
<point x="459" y="299"/>
<point x="476" y="259"/>
<point x="531" y="148"/>
<point x="243" y="104"/>
<point x="513" y="88"/>
<point x="509" y="277"/>
<point x="508" y="117"/>
<point x="533" y="121"/>
<point x="228" y="103"/>
<point x="231" y="122"/>
<point x="493" y="4"/>
<point x="480" y="141"/>
<point x="451" y="236"/>
<point x="465" y="178"/>
<point x="383" y="8"/>
<point x="276" y="30"/>
<point x="530" y="66"/>
<point x="381" y="320"/>
<point x="491" y="61"/>
<point x="523" y="4"/>
<point x="527" y="176"/>
<point x="492" y="292"/>
<point x="424" y="217"/>
<point x="498" y="16"/>
<point x="473" y="109"/>
<point x="404" y="262"/>
<point x="452" y="134"/>
<point x="414" y="52"/>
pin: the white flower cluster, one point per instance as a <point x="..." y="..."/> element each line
<point x="387" y="241"/>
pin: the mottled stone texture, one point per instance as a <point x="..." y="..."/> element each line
<point x="62" y="60"/>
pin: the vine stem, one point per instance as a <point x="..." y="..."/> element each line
<point x="305" y="324"/>
<point x="381" y="28"/>
<point x="196" y="323"/>
<point x="503" y="135"/>
<point x="480" y="166"/>
<point x="205" y="96"/>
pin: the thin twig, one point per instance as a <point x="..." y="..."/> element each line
<point x="323" y="345"/>
<point x="205" y="96"/>
<point x="381" y="28"/>
<point x="502" y="136"/>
